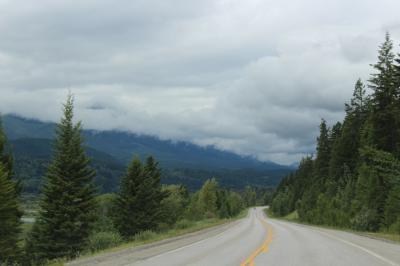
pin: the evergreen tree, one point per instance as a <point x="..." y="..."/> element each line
<point x="130" y="213"/>
<point x="67" y="204"/>
<point x="155" y="193"/>
<point x="345" y="149"/>
<point x="138" y="205"/>
<point x="10" y="211"/>
<point x="376" y="173"/>
<point x="5" y="156"/>
<point x="9" y="219"/>
<point x="385" y="113"/>
<point x="323" y="152"/>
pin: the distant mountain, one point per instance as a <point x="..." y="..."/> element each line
<point x="32" y="157"/>
<point x="182" y="162"/>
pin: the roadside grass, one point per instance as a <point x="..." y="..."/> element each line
<point x="181" y="228"/>
<point x="294" y="217"/>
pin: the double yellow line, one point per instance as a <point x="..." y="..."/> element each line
<point x="263" y="248"/>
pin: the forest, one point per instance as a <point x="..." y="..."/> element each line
<point x="353" y="181"/>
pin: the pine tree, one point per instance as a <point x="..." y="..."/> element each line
<point x="67" y="205"/>
<point x="385" y="112"/>
<point x="9" y="219"/>
<point x="130" y="212"/>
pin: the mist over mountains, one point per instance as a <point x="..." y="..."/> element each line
<point x="182" y="162"/>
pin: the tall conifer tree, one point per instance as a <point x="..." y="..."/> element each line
<point x="156" y="195"/>
<point x="385" y="111"/>
<point x="67" y="204"/>
<point x="10" y="212"/>
<point x="9" y="219"/>
<point x="130" y="201"/>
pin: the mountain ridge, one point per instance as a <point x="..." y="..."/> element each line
<point x="182" y="162"/>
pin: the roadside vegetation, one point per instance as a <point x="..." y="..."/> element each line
<point x="71" y="219"/>
<point x="354" y="179"/>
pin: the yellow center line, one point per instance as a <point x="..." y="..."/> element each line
<point x="263" y="248"/>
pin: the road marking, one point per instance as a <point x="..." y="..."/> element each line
<point x="239" y="222"/>
<point x="360" y="247"/>
<point x="263" y="248"/>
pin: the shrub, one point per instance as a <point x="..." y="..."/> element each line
<point x="183" y="224"/>
<point x="144" y="235"/>
<point x="395" y="228"/>
<point x="103" y="240"/>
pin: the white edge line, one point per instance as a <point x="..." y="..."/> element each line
<point x="361" y="248"/>
<point x="189" y="245"/>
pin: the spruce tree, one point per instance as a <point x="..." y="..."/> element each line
<point x="385" y="113"/>
<point x="345" y="149"/>
<point x="5" y="156"/>
<point x="323" y="152"/>
<point x="10" y="211"/>
<point x="9" y="219"/>
<point x="138" y="203"/>
<point x="67" y="203"/>
<point x="130" y="210"/>
<point x="156" y="194"/>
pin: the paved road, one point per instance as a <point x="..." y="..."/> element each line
<point x="257" y="240"/>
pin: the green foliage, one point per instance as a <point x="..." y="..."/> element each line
<point x="144" y="235"/>
<point x="103" y="240"/>
<point x="9" y="218"/>
<point x="173" y="206"/>
<point x="67" y="205"/>
<point x="249" y="197"/>
<point x="385" y="113"/>
<point x="139" y="200"/>
<point x="208" y="198"/>
<point x="361" y="188"/>
<point x="10" y="212"/>
<point x="183" y="224"/>
<point x="104" y="212"/>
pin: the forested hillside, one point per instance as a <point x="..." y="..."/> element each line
<point x="182" y="162"/>
<point x="354" y="179"/>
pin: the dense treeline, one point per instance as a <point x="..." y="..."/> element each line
<point x="73" y="218"/>
<point x="354" y="179"/>
<point x="10" y="210"/>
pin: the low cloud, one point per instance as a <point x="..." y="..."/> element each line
<point x="252" y="77"/>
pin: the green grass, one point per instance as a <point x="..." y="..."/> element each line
<point x="294" y="217"/>
<point x="151" y="237"/>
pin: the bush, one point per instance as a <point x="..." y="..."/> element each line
<point x="183" y="224"/>
<point x="395" y="228"/>
<point x="102" y="240"/>
<point x="366" y="220"/>
<point x="144" y="235"/>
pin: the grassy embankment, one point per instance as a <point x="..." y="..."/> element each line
<point x="181" y="228"/>
<point x="294" y="217"/>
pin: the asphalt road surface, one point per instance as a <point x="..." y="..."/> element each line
<point x="258" y="240"/>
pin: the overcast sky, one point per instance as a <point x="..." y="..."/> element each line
<point x="253" y="77"/>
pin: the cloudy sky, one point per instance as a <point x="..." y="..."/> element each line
<point x="254" y="77"/>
